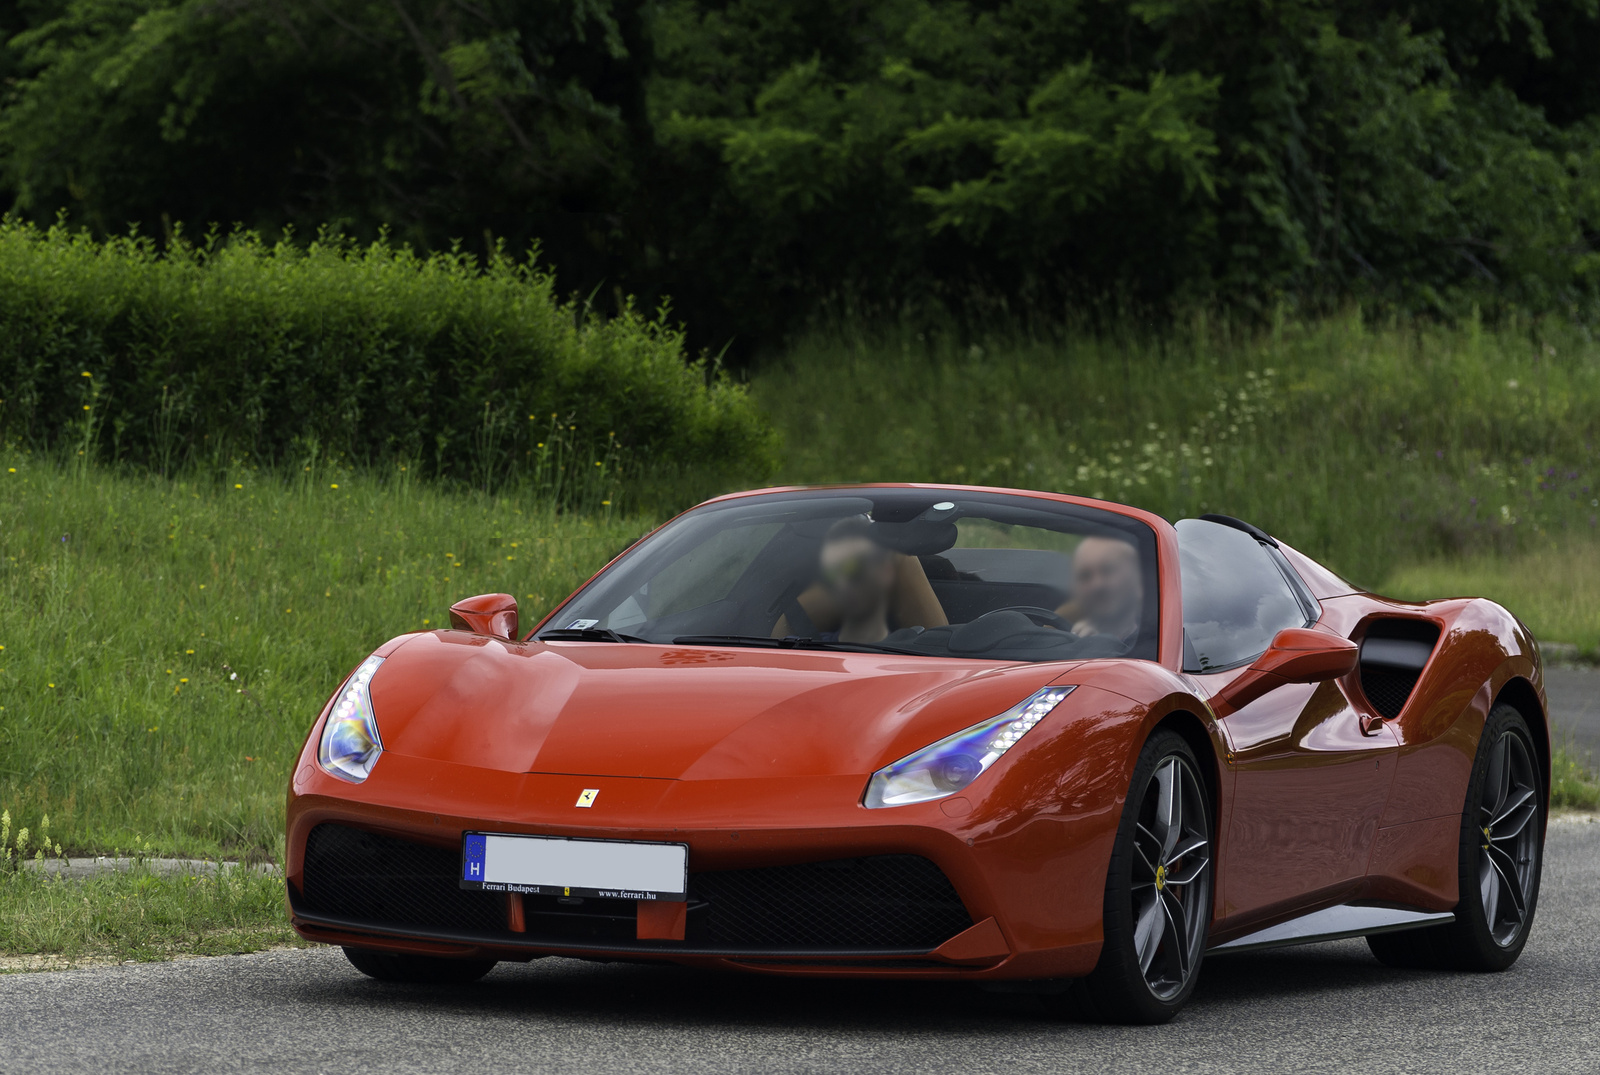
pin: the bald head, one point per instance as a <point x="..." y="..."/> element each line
<point x="1108" y="586"/>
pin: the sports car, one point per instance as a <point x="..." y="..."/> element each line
<point x="1039" y="742"/>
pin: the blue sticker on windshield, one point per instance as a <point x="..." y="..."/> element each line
<point x="472" y="849"/>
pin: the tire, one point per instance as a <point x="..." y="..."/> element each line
<point x="1155" y="926"/>
<point x="422" y="970"/>
<point x="1499" y="878"/>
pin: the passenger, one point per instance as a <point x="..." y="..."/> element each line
<point x="859" y="575"/>
<point x="1107" y="589"/>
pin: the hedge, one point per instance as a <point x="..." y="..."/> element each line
<point x="236" y="350"/>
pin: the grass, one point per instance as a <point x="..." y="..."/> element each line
<point x="165" y="645"/>
<point x="1368" y="448"/>
<point x="140" y="915"/>
<point x="1554" y="588"/>
<point x="1573" y="785"/>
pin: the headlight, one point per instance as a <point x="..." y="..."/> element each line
<point x="951" y="764"/>
<point x="350" y="744"/>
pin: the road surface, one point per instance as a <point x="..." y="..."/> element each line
<point x="1324" y="1008"/>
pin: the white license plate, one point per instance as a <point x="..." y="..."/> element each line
<point x="555" y="866"/>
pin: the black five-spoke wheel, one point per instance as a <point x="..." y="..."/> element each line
<point x="1158" y="891"/>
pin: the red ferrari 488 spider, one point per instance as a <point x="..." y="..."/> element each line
<point x="933" y="732"/>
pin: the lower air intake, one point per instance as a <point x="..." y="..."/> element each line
<point x="382" y="880"/>
<point x="887" y="901"/>
<point x="883" y="902"/>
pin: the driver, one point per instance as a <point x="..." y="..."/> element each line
<point x="1107" y="589"/>
<point x="859" y="575"/>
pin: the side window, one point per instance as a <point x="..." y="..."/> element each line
<point x="1235" y="598"/>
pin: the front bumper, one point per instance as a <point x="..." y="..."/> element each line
<point x="1031" y="884"/>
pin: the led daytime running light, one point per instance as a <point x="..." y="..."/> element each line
<point x="1034" y="710"/>
<point x="954" y="762"/>
<point x="350" y="743"/>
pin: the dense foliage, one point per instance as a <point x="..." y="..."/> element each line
<point x="244" y="353"/>
<point x="759" y="158"/>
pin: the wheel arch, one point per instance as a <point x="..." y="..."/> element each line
<point x="1520" y="695"/>
<point x="1192" y="729"/>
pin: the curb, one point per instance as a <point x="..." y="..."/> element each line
<point x="84" y="868"/>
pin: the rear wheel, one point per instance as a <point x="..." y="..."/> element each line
<point x="1158" y="891"/>
<point x="426" y="970"/>
<point x="1500" y="855"/>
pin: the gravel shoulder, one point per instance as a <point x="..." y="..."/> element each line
<point x="1573" y="694"/>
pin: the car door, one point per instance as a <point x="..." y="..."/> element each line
<point x="1310" y="778"/>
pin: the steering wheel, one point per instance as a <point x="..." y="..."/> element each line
<point x="1041" y="616"/>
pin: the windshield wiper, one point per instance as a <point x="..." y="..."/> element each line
<point x="787" y="642"/>
<point x="764" y="641"/>
<point x="587" y="634"/>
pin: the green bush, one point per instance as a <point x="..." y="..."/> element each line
<point x="239" y="351"/>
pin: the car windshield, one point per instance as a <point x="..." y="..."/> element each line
<point x="952" y="573"/>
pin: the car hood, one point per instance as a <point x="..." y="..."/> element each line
<point x="641" y="710"/>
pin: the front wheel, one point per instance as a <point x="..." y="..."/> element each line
<point x="422" y="970"/>
<point x="1499" y="858"/>
<point x="1158" y="891"/>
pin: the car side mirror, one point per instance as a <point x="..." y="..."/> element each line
<point x="1297" y="655"/>
<point x="493" y="614"/>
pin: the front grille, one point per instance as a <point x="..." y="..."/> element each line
<point x="877" y="903"/>
<point x="383" y="880"/>
<point x="888" y="901"/>
<point x="1388" y="688"/>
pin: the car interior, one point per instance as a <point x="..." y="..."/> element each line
<point x="965" y="580"/>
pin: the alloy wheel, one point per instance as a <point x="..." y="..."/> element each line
<point x="1509" y="843"/>
<point x="1171" y="877"/>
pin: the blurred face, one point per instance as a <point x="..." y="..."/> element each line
<point x="858" y="573"/>
<point x="1107" y="584"/>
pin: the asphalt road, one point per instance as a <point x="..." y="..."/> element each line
<point x="1573" y="695"/>
<point x="1325" y="1008"/>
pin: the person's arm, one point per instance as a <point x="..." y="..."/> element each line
<point x="913" y="603"/>
<point x="818" y="607"/>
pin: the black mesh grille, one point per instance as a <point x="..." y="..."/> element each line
<point x="1393" y="655"/>
<point x="387" y="881"/>
<point x="883" y="902"/>
<point x="888" y="901"/>
<point x="1387" y="688"/>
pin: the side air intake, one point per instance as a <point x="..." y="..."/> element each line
<point x="1393" y="654"/>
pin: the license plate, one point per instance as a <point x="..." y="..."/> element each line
<point x="556" y="866"/>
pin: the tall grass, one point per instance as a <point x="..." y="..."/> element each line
<point x="1368" y="447"/>
<point x="165" y="644"/>
<point x="1554" y="588"/>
